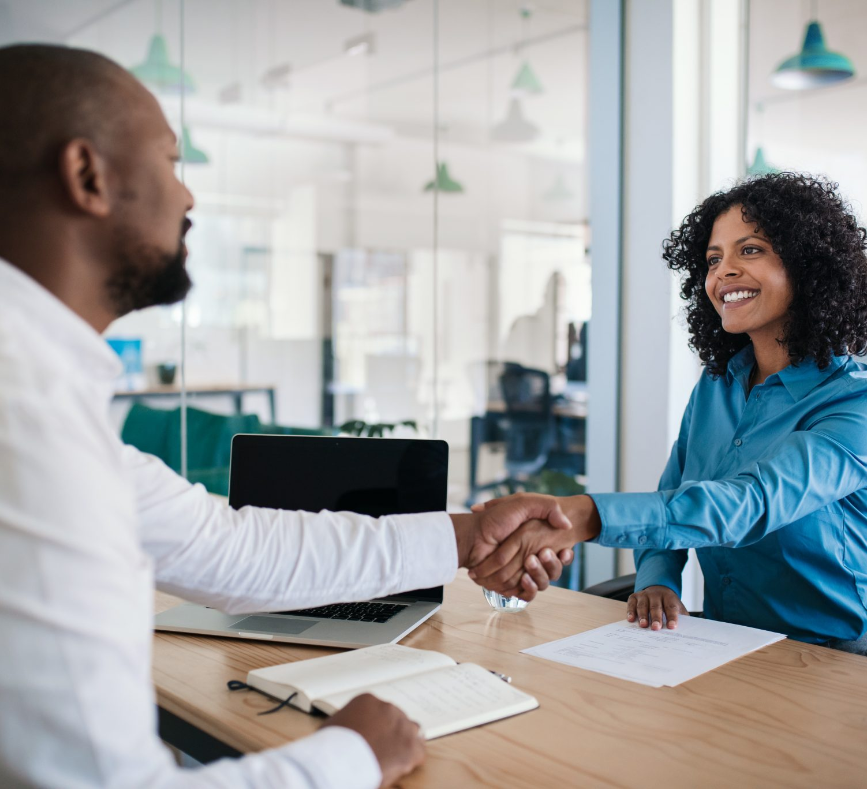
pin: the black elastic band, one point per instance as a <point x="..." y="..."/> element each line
<point x="234" y="684"/>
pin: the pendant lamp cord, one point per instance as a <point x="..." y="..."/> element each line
<point x="184" y="302"/>
<point x="436" y="220"/>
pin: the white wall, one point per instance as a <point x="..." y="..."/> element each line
<point x="681" y="144"/>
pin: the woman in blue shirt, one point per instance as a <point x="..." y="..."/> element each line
<point x="768" y="478"/>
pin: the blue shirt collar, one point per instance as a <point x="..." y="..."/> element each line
<point x="799" y="380"/>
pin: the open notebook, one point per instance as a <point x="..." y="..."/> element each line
<point x="440" y="695"/>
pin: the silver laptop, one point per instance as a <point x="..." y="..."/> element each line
<point x="372" y="476"/>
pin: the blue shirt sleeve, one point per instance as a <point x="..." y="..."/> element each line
<point x="659" y="567"/>
<point x="808" y="469"/>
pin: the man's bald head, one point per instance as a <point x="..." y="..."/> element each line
<point x="90" y="203"/>
<point x="50" y="95"/>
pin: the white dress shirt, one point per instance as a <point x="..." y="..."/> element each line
<point x="87" y="525"/>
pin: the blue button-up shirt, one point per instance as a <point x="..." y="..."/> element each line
<point x="770" y="487"/>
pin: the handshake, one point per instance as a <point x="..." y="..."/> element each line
<point x="518" y="544"/>
<point x="515" y="546"/>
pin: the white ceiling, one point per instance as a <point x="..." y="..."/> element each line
<point x="231" y="42"/>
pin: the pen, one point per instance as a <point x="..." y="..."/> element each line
<point x="501" y="676"/>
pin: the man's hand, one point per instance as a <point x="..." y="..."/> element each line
<point x="479" y="534"/>
<point x="649" y="604"/>
<point x="502" y="570"/>
<point x="393" y="738"/>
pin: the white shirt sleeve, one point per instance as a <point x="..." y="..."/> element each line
<point x="256" y="559"/>
<point x="76" y="600"/>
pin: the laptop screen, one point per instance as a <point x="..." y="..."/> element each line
<point x="371" y="476"/>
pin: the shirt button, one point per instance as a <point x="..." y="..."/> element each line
<point x="642" y="539"/>
<point x="738" y="442"/>
<point x="621" y="538"/>
<point x="726" y="580"/>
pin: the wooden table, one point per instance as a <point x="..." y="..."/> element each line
<point x="789" y="715"/>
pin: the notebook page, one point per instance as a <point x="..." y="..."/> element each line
<point x="446" y="700"/>
<point x="338" y="673"/>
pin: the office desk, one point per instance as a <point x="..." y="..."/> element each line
<point x="235" y="391"/>
<point x="788" y="715"/>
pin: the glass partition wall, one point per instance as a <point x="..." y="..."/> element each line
<point x="390" y="232"/>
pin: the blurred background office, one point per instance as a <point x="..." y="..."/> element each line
<point x="444" y="217"/>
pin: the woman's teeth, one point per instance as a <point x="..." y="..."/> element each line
<point x="739" y="295"/>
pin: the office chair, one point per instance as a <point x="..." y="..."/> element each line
<point x="529" y="421"/>
<point x="615" y="589"/>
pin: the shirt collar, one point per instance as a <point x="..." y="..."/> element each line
<point x="45" y="313"/>
<point x="799" y="380"/>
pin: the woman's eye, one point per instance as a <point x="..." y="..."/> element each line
<point x="751" y="250"/>
<point x="712" y="261"/>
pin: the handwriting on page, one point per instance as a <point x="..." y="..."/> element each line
<point x="445" y="698"/>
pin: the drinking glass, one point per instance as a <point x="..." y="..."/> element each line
<point x="500" y="603"/>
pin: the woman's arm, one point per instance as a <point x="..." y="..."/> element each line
<point x="811" y="468"/>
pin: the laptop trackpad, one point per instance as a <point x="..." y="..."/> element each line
<point x="273" y="624"/>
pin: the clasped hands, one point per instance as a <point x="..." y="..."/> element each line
<point x="518" y="544"/>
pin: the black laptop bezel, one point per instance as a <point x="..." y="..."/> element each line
<point x="432" y="595"/>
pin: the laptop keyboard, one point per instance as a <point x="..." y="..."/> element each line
<point x="356" y="612"/>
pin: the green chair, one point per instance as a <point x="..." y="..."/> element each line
<point x="209" y="439"/>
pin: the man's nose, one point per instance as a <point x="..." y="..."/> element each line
<point x="191" y="201"/>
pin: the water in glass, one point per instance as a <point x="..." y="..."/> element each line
<point x="500" y="603"/>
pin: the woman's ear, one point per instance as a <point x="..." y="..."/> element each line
<point x="83" y="174"/>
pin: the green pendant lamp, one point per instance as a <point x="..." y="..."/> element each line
<point x="189" y="153"/>
<point x="443" y="181"/>
<point x="760" y="165"/>
<point x="526" y="81"/>
<point x="159" y="72"/>
<point x="815" y="66"/>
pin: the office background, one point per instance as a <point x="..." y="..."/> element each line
<point x="395" y="198"/>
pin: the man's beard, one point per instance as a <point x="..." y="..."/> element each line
<point x="146" y="277"/>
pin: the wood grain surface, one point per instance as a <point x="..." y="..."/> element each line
<point x="789" y="715"/>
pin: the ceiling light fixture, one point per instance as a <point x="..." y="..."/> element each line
<point x="364" y="44"/>
<point x="277" y="77"/>
<point x="189" y="153"/>
<point x="760" y="165"/>
<point x="443" y="181"/>
<point x="515" y="128"/>
<point x="559" y="192"/>
<point x="526" y="82"/>
<point x="158" y="71"/>
<point x="815" y="66"/>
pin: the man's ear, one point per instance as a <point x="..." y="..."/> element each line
<point x="83" y="175"/>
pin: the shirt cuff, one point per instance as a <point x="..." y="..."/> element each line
<point x="429" y="549"/>
<point x="659" y="568"/>
<point x="631" y="520"/>
<point x="336" y="758"/>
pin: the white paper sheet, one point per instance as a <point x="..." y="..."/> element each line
<point x="656" y="657"/>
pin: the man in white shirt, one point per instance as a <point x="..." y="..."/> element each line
<point x="92" y="220"/>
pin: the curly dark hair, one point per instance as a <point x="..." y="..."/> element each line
<point x="822" y="247"/>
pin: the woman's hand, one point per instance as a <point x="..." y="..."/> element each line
<point x="648" y="606"/>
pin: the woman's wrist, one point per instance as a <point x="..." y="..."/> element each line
<point x="581" y="511"/>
